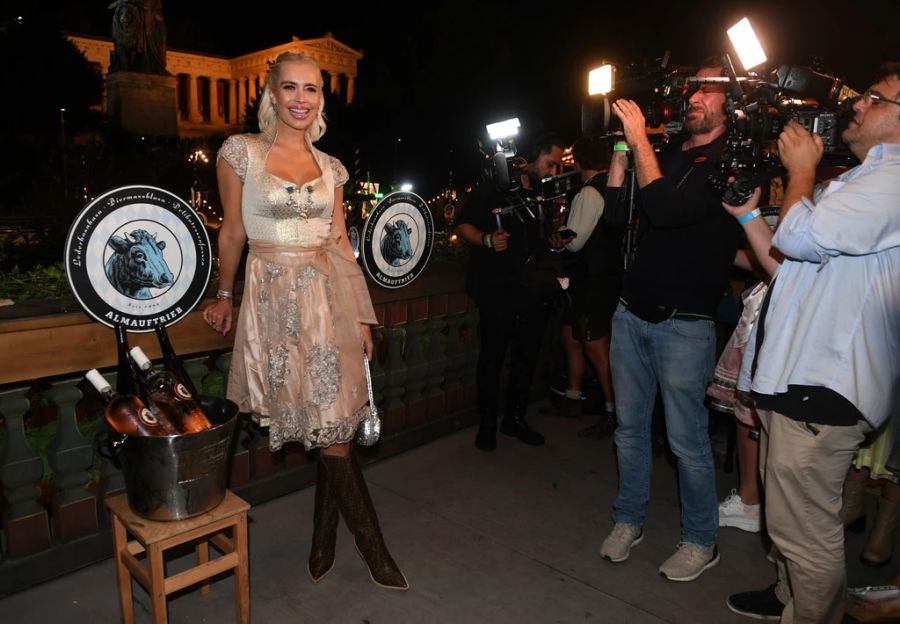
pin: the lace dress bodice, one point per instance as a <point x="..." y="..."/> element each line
<point x="277" y="210"/>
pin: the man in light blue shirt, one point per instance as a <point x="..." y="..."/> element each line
<point x="827" y="362"/>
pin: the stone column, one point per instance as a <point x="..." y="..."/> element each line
<point x="193" y="108"/>
<point x="350" y="88"/>
<point x="335" y="83"/>
<point x="214" y="117"/>
<point x="239" y="100"/>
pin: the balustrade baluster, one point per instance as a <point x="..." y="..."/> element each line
<point x="26" y="527"/>
<point x="196" y="369"/>
<point x="395" y="378"/>
<point x="453" y="373"/>
<point x="416" y="370"/>
<point x="70" y="455"/>
<point x="437" y="361"/>
<point x="471" y="349"/>
<point x="375" y="367"/>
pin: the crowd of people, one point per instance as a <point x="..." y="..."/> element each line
<point x="811" y="372"/>
<point x="812" y="367"/>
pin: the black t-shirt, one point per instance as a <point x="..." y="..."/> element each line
<point x="686" y="242"/>
<point x="497" y="276"/>
<point x="811" y="404"/>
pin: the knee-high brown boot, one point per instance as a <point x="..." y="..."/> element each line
<point x="325" y="521"/>
<point x="355" y="503"/>
<point x="880" y="545"/>
<point x="853" y="509"/>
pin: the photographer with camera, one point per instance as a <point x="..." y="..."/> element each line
<point x="825" y="370"/>
<point x="512" y="303"/>
<point x="662" y="330"/>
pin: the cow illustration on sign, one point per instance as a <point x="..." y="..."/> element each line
<point x="138" y="264"/>
<point x="395" y="245"/>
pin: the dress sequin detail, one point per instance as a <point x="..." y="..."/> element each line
<point x="322" y="364"/>
<point x="292" y="314"/>
<point x="278" y="367"/>
<point x="307" y="275"/>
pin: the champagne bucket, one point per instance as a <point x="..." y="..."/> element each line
<point x="178" y="476"/>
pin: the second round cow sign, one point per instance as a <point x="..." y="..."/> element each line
<point x="397" y="239"/>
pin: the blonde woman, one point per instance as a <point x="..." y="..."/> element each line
<point x="306" y="313"/>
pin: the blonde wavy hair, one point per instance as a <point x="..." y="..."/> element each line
<point x="267" y="116"/>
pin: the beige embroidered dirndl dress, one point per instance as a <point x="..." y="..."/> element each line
<point x="297" y="364"/>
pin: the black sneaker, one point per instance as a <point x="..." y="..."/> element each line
<point x="486" y="439"/>
<point x="762" y="604"/>
<point x="516" y="426"/>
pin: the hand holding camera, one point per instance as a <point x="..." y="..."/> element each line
<point x="633" y="122"/>
<point x="741" y="210"/>
<point x="500" y="240"/>
<point x="558" y="240"/>
<point x="799" y="149"/>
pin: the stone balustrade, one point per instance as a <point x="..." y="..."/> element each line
<point x="52" y="491"/>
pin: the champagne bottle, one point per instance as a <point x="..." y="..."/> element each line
<point x="126" y="413"/>
<point x="126" y="374"/>
<point x="172" y="362"/>
<point x="170" y="397"/>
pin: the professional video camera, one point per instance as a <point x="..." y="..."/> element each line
<point x="660" y="91"/>
<point x="504" y="166"/>
<point x="759" y="108"/>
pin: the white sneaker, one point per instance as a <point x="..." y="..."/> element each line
<point x="734" y="513"/>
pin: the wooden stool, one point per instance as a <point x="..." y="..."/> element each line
<point x="155" y="538"/>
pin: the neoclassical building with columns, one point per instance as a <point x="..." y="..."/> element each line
<point x="212" y="92"/>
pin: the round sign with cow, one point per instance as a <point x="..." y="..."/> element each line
<point x="138" y="256"/>
<point x="397" y="239"/>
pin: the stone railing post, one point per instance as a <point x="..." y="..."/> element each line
<point x="453" y="374"/>
<point x="416" y="364"/>
<point x="26" y="527"/>
<point x="70" y="456"/>
<point x="471" y="349"/>
<point x="395" y="369"/>
<point x="376" y="369"/>
<point x="437" y="362"/>
<point x="196" y="369"/>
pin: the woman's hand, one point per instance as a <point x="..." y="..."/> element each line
<point x="218" y="315"/>
<point x="368" y="344"/>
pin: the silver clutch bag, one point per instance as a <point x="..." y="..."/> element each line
<point x="370" y="428"/>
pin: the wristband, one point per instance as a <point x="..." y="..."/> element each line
<point x="224" y="294"/>
<point x="749" y="216"/>
<point x="487" y="240"/>
<point x="621" y="147"/>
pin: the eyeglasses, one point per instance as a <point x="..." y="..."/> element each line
<point x="873" y="97"/>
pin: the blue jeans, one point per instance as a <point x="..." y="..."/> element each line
<point x="679" y="355"/>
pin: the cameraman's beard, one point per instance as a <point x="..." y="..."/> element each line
<point x="704" y="123"/>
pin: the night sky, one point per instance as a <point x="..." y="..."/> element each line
<point x="433" y="77"/>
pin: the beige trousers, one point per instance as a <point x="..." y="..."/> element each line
<point x="803" y="468"/>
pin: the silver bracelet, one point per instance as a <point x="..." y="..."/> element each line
<point x="224" y="294"/>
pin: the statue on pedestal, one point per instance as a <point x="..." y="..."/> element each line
<point x="139" y="34"/>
